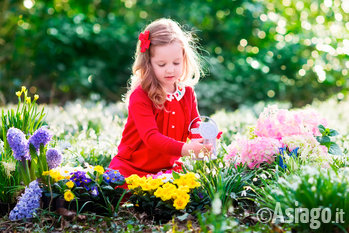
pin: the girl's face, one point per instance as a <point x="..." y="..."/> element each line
<point x="167" y="64"/>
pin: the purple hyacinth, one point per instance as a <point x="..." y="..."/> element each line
<point x="40" y="136"/>
<point x="18" y="143"/>
<point x="28" y="202"/>
<point x="53" y="158"/>
<point x="113" y="176"/>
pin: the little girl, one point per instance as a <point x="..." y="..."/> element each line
<point x="161" y="101"/>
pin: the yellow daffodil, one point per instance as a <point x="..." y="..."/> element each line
<point x="28" y="100"/>
<point x="45" y="173"/>
<point x="70" y="184"/>
<point x="68" y="195"/>
<point x="18" y="93"/>
<point x="36" y="96"/>
<point x="23" y="89"/>
<point x="99" y="169"/>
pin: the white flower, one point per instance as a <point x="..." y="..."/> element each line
<point x="201" y="155"/>
<point x="94" y="192"/>
<point x="190" y="167"/>
<point x="9" y="167"/>
<point x="1" y="146"/>
<point x="166" y="178"/>
<point x="216" y="205"/>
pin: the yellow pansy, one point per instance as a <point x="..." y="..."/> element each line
<point x="70" y="184"/>
<point x="146" y="187"/>
<point x="68" y="195"/>
<point x="159" y="192"/>
<point x="192" y="184"/>
<point x="155" y="183"/>
<point x="131" y="179"/>
<point x="189" y="175"/>
<point x="180" y="203"/>
<point x="55" y="174"/>
<point x="99" y="169"/>
<point x="169" y="187"/>
<point x="166" y="195"/>
<point x="184" y="189"/>
<point x="180" y="193"/>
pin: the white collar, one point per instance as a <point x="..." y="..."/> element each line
<point x="178" y="94"/>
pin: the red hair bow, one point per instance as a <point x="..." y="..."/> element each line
<point x="145" y="42"/>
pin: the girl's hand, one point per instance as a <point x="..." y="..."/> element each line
<point x="196" y="147"/>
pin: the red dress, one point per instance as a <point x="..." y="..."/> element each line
<point x="152" y="139"/>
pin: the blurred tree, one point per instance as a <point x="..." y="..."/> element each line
<point x="254" y="50"/>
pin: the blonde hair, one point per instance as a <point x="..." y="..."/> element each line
<point x="162" y="32"/>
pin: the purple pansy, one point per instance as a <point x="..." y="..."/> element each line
<point x="113" y="176"/>
<point x="80" y="179"/>
<point x="94" y="191"/>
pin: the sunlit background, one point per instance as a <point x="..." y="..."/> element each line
<point x="253" y="50"/>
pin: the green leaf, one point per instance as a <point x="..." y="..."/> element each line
<point x="175" y="175"/>
<point x="323" y="139"/>
<point x="335" y="149"/>
<point x="333" y="133"/>
<point x="183" y="217"/>
<point x="107" y="188"/>
<point x="322" y="129"/>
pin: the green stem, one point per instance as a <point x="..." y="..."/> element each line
<point x="25" y="172"/>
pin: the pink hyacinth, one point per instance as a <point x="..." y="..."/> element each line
<point x="254" y="152"/>
<point x="277" y="123"/>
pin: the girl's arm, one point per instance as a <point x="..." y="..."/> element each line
<point x="196" y="147"/>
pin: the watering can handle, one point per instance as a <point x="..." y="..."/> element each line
<point x="200" y="117"/>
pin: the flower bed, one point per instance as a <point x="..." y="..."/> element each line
<point x="286" y="158"/>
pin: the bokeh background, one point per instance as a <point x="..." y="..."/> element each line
<point x="254" y="50"/>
